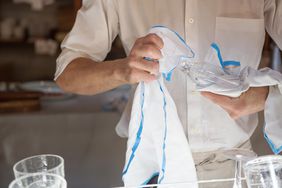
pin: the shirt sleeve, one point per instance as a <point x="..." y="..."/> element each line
<point x="273" y="20"/>
<point x="95" y="28"/>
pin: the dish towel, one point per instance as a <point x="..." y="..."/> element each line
<point x="230" y="80"/>
<point x="156" y="143"/>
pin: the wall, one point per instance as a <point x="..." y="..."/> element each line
<point x="18" y="62"/>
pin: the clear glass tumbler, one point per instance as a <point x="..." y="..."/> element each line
<point x="205" y="74"/>
<point x="264" y="172"/>
<point x="240" y="156"/>
<point x="52" y="164"/>
<point x="39" y="180"/>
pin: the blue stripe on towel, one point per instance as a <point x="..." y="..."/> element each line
<point x="231" y="63"/>
<point x="274" y="149"/>
<point x="139" y="132"/>
<point x="165" y="135"/>
<point x="223" y="63"/>
<point x="216" y="47"/>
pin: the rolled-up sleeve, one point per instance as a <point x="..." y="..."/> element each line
<point x="273" y="20"/>
<point x="95" y="28"/>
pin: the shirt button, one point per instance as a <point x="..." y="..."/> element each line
<point x="191" y="20"/>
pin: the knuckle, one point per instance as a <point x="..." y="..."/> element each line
<point x="139" y="40"/>
<point x="156" y="39"/>
<point x="151" y="36"/>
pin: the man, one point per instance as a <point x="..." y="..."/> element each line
<point x="210" y="121"/>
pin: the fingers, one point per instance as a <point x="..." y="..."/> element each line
<point x="144" y="76"/>
<point x="148" y="46"/>
<point x="137" y="75"/>
<point x="153" y="39"/>
<point x="147" y="50"/>
<point x="136" y="67"/>
<point x="148" y="66"/>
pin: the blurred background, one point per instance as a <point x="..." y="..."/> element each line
<point x="36" y="117"/>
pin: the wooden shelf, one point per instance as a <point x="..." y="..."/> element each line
<point x="14" y="42"/>
<point x="11" y="41"/>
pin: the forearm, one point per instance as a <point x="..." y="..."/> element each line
<point x="84" y="76"/>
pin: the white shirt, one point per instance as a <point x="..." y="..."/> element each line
<point x="237" y="26"/>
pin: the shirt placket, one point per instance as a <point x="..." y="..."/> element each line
<point x="193" y="97"/>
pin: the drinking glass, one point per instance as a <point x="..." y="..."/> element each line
<point x="47" y="163"/>
<point x="39" y="180"/>
<point x="204" y="74"/>
<point x="239" y="156"/>
<point x="264" y="172"/>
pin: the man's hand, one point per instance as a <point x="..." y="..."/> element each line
<point x="135" y="68"/>
<point x="87" y="77"/>
<point x="250" y="102"/>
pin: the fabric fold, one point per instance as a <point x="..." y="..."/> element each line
<point x="246" y="78"/>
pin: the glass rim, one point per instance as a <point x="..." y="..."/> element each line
<point x="34" y="156"/>
<point x="16" y="180"/>
<point x="261" y="159"/>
